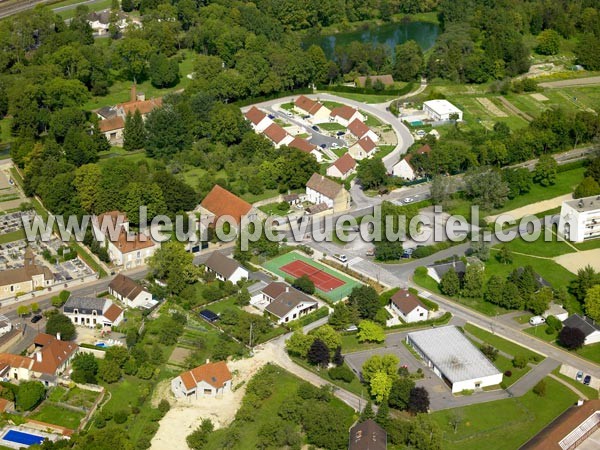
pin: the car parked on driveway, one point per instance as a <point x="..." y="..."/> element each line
<point x="579" y="376"/>
<point x="36" y="318"/>
<point x="316" y="128"/>
<point x="340" y="133"/>
<point x="587" y="380"/>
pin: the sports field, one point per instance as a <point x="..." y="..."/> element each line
<point x="328" y="282"/>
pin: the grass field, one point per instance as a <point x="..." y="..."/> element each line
<point x="504" y="424"/>
<point x="70" y="13"/>
<point x="56" y="415"/>
<point x="335" y="295"/>
<point x="501" y="344"/>
<point x="120" y="90"/>
<point x="503" y="364"/>
<point x="591" y="352"/>
<point x="355" y="386"/>
<point x="248" y="431"/>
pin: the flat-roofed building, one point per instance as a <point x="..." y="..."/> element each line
<point x="454" y="358"/>
<point x="580" y="219"/>
<point x="441" y="110"/>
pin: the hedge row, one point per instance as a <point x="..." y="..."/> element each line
<point x="443" y="320"/>
<point x="370" y="91"/>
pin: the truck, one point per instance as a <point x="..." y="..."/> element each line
<point x="341" y="258"/>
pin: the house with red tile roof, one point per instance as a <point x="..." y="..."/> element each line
<point x="124" y="248"/>
<point x="130" y="293"/>
<point x="258" y="119"/>
<point x="363" y="148"/>
<point x="345" y="114"/>
<point x="404" y="167"/>
<point x="342" y="168"/>
<point x="304" y="146"/>
<point x="315" y="110"/>
<point x="277" y="135"/>
<point x="112" y="129"/>
<point x="207" y="380"/>
<point x="221" y="203"/>
<point x="47" y="359"/>
<point x="359" y="130"/>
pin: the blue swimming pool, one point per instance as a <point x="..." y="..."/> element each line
<point x="101" y="344"/>
<point x="23" y="438"/>
<point x="417" y="123"/>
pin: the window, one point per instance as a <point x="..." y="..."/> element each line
<point x="207" y="391"/>
<point x="113" y="135"/>
<point x="477" y="385"/>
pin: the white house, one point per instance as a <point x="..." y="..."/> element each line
<point x="90" y="312"/>
<point x="5" y="326"/>
<point x="345" y="114"/>
<point x="363" y="148"/>
<point x="342" y="168"/>
<point x="277" y="135"/>
<point x="323" y="190"/>
<point x="259" y="120"/>
<point x="30" y="277"/>
<point x="132" y="294"/>
<point x="316" y="111"/>
<point x="359" y="130"/>
<point x="224" y="268"/>
<point x="454" y="359"/>
<point x="557" y="311"/>
<point x="405" y="169"/>
<point x="304" y="146"/>
<point x="580" y="219"/>
<point x="286" y="303"/>
<point x="439" y="110"/>
<point x="589" y="327"/>
<point x="124" y="248"/>
<point x="408" y="306"/>
<point x="208" y="380"/>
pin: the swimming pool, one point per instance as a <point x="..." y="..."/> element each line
<point x="101" y="345"/>
<point x="23" y="438"/>
<point x="417" y="123"/>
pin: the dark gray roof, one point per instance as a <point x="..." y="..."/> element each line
<point x="459" y="268"/>
<point x="585" y="324"/>
<point x="85" y="305"/>
<point x="367" y="436"/>
<point x="108" y="112"/>
<point x="287" y="301"/>
<point x="221" y="264"/>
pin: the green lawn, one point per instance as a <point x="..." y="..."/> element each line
<point x="335" y="295"/>
<point x="331" y="126"/>
<point x="501" y="344"/>
<point x="591" y="352"/>
<point x="504" y="424"/>
<point x="355" y="386"/>
<point x="56" y="415"/>
<point x="350" y="343"/>
<point x="384" y="150"/>
<point x="590" y="392"/>
<point x="272" y="209"/>
<point x="12" y="236"/>
<point x="503" y="363"/>
<point x="541" y="247"/>
<point x="120" y="90"/>
<point x="524" y="318"/>
<point x="247" y="432"/>
<point x="70" y="13"/>
<point x="540" y="332"/>
<point x="371" y="121"/>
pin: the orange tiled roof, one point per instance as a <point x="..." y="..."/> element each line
<point x="115" y="123"/>
<point x="128" y="242"/>
<point x="215" y="374"/>
<point x="221" y="202"/>
<point x="302" y="144"/>
<point x="307" y="105"/>
<point x="345" y="164"/>
<point x="275" y="133"/>
<point x="358" y="128"/>
<point x="143" y="106"/>
<point x="345" y="112"/>
<point x="255" y="115"/>
<point x="113" y="312"/>
<point x="367" y="144"/>
<point x="54" y="354"/>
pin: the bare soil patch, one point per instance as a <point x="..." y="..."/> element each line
<point x="491" y="108"/>
<point x="578" y="260"/>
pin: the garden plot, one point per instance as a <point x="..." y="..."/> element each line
<point x="491" y="108"/>
<point x="539" y="97"/>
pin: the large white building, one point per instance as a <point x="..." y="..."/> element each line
<point x="441" y="110"/>
<point x="454" y="359"/>
<point x="580" y="219"/>
<point x="92" y="312"/>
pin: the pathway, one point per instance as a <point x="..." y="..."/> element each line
<point x="573" y="82"/>
<point x="531" y="378"/>
<point x="570" y="386"/>
<point x="512" y="108"/>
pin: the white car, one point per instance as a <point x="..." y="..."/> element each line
<point x="334" y="145"/>
<point x="421" y="133"/>
<point x="536" y="320"/>
<point x="408" y="200"/>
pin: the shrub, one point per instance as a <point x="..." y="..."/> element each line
<point x="554" y="325"/>
<point x="508" y="374"/>
<point x="540" y="388"/>
<point x="490" y="352"/>
<point x="100" y="422"/>
<point x="341" y="373"/>
<point x="164" y="406"/>
<point x="120" y="416"/>
<point x="519" y="361"/>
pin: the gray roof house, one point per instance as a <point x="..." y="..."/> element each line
<point x="589" y="327"/>
<point x="224" y="268"/>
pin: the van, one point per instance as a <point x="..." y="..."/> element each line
<point x="536" y="320"/>
<point x="341" y="258"/>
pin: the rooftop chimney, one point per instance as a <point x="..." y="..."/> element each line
<point x="287" y="289"/>
<point x="133" y="96"/>
<point x="58" y="336"/>
<point x="38" y="356"/>
<point x="207" y="360"/>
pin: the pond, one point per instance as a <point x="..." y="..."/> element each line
<point x="392" y="34"/>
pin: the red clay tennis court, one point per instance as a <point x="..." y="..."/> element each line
<point x="323" y="281"/>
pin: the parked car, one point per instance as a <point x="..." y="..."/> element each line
<point x="306" y="116"/>
<point x="323" y="145"/>
<point x="289" y="113"/>
<point x="342" y="258"/>
<point x="36" y="318"/>
<point x="536" y="320"/>
<point x="587" y="380"/>
<point x="271" y="116"/>
<point x="408" y="200"/>
<point x="316" y="128"/>
<point x="340" y="133"/>
<point x="421" y="133"/>
<point x="579" y="376"/>
<point x="352" y="328"/>
<point x="334" y="145"/>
